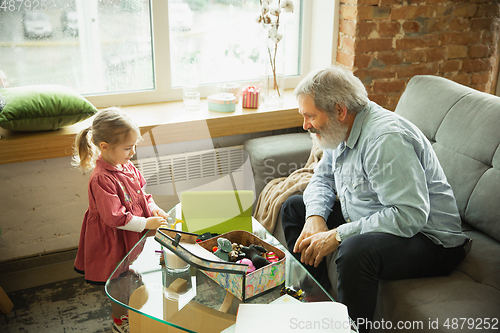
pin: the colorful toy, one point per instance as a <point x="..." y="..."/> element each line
<point x="254" y="253"/>
<point x="248" y="262"/>
<point x="177" y="221"/>
<point x="224" y="247"/>
<point x="272" y="257"/>
<point x="236" y="253"/>
<point x="257" y="254"/>
<point x="205" y="236"/>
<point x="298" y="294"/>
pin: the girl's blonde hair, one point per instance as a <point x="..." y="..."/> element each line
<point x="110" y="125"/>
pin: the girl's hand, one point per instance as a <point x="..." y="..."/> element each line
<point x="160" y="213"/>
<point x="155" y="222"/>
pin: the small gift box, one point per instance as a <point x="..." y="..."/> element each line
<point x="223" y="102"/>
<point x="250" y="97"/>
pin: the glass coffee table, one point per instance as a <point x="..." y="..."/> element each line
<point x="139" y="283"/>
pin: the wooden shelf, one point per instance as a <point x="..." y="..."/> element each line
<point x="169" y="122"/>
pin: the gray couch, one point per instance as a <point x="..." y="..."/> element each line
<point x="464" y="128"/>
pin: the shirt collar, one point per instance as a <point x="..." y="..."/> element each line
<point x="356" y="127"/>
<point x="105" y="165"/>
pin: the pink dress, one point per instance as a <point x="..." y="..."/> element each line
<point x="115" y="196"/>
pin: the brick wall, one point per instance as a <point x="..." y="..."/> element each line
<point x="386" y="42"/>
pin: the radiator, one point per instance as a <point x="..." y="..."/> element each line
<point x="214" y="169"/>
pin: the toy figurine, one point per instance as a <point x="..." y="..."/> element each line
<point x="236" y="253"/>
<point x="224" y="247"/>
<point x="205" y="236"/>
<point x="254" y="253"/>
<point x="298" y="294"/>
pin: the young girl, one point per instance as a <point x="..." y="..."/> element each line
<point x="119" y="212"/>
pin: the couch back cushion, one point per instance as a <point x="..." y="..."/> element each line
<point x="463" y="125"/>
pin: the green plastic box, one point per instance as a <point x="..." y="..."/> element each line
<point x="217" y="211"/>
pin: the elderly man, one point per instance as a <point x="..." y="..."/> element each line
<point x="378" y="197"/>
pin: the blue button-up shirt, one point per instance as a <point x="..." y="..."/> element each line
<point x="388" y="179"/>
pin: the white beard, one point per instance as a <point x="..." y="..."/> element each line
<point x="331" y="135"/>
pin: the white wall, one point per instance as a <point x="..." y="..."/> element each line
<point x="43" y="203"/>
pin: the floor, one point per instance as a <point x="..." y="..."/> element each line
<point x="66" y="306"/>
<point x="49" y="296"/>
<point x="69" y="305"/>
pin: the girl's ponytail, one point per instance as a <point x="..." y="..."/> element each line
<point x="84" y="151"/>
<point x="110" y="125"/>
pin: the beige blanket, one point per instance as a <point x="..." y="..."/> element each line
<point x="278" y="190"/>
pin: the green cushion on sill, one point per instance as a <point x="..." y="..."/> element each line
<point x="42" y="108"/>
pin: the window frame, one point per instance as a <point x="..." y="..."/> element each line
<point x="317" y="34"/>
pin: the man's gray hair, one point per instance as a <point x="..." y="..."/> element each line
<point x="334" y="85"/>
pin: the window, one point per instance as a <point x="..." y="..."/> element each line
<point x="120" y="52"/>
<point x="221" y="41"/>
<point x="92" y="46"/>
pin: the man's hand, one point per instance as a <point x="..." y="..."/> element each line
<point x="313" y="225"/>
<point x="314" y="248"/>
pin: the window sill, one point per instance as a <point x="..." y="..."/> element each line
<point x="171" y="123"/>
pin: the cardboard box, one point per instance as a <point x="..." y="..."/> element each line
<point x="231" y="276"/>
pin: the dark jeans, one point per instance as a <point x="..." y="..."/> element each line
<point x="365" y="259"/>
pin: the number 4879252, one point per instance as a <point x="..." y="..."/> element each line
<point x="27" y="5"/>
<point x="471" y="323"/>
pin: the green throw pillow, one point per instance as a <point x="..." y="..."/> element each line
<point x="42" y="108"/>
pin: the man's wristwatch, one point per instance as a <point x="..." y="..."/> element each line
<point x="337" y="236"/>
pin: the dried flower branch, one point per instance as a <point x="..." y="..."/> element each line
<point x="270" y="16"/>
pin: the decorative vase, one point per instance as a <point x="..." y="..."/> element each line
<point x="273" y="62"/>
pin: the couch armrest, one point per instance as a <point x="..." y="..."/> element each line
<point x="277" y="156"/>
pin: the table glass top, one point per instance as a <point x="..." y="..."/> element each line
<point x="139" y="283"/>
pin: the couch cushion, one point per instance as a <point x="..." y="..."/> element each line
<point x="482" y="264"/>
<point x="463" y="124"/>
<point x="277" y="156"/>
<point x="471" y="126"/>
<point x="483" y="208"/>
<point x="428" y="113"/>
<point x="438" y="298"/>
<point x="462" y="173"/>
<point x="472" y="290"/>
